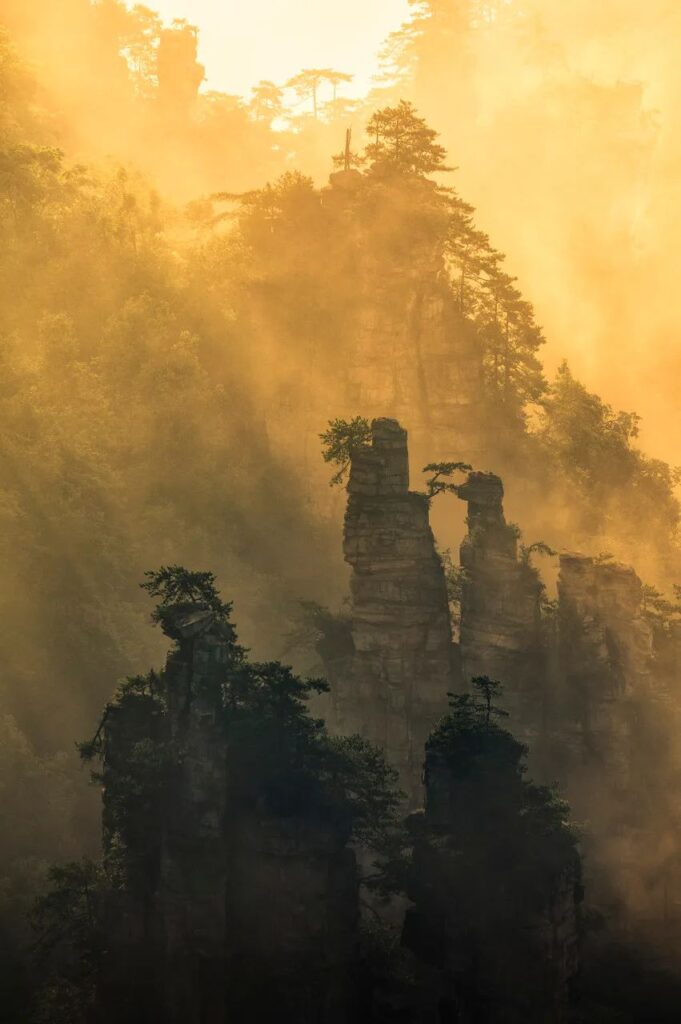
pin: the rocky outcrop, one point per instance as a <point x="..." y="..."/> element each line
<point x="226" y="906"/>
<point x="496" y="905"/>
<point x="194" y="868"/>
<point x="396" y="687"/>
<point x="500" y="633"/>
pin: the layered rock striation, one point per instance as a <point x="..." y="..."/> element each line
<point x="402" y="668"/>
<point x="500" y="632"/>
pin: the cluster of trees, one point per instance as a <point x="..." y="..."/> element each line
<point x="282" y="761"/>
<point x="279" y="762"/>
<point x="304" y="248"/>
<point x="397" y="216"/>
<point x="559" y="154"/>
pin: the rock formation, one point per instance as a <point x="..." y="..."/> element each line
<point x="495" y="898"/>
<point x="397" y="685"/>
<point x="225" y="904"/>
<point x="500" y="633"/>
<point x="194" y="868"/>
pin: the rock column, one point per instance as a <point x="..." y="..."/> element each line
<point x="401" y="672"/>
<point x="500" y="607"/>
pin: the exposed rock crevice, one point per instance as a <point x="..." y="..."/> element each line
<point x="402" y="668"/>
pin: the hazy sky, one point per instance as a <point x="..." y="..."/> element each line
<point x="243" y="41"/>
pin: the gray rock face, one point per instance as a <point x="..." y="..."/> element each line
<point x="500" y="606"/>
<point x="397" y="685"/>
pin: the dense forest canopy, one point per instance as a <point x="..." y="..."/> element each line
<point x="576" y="106"/>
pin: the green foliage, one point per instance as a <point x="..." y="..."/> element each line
<point x="136" y="769"/>
<point x="468" y="738"/>
<point x="365" y="787"/>
<point x="278" y="756"/>
<point x="342" y="439"/>
<point x="177" y="586"/>
<point x="487" y="766"/>
<point x="283" y="756"/>
<point x="663" y="616"/>
<point x="149" y="685"/>
<point x="70" y="911"/>
<point x="131" y="427"/>
<point x="90" y="749"/>
<point x="403" y="143"/>
<point x="539" y="547"/>
<point x="436" y="484"/>
<point x="487" y="690"/>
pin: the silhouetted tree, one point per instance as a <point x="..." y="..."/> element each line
<point x="267" y="101"/>
<point x="342" y="438"/>
<point x="438" y="482"/>
<point x="402" y="142"/>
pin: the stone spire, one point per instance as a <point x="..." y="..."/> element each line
<point x="397" y="685"/>
<point x="500" y="610"/>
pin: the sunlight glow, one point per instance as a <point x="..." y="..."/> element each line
<point x="240" y="43"/>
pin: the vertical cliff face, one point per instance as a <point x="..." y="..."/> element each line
<point x="500" y="606"/>
<point x="397" y="685"/>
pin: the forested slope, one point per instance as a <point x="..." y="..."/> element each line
<point x="166" y="370"/>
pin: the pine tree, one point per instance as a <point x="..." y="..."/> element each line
<point x="403" y="143"/>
